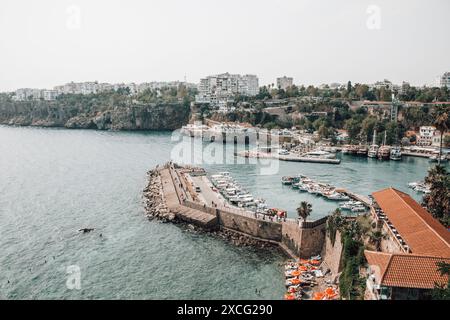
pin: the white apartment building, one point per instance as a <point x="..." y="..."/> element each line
<point x="219" y="90"/>
<point x="284" y="82"/>
<point x="87" y="87"/>
<point x="426" y="134"/>
<point x="436" y="141"/>
<point x="93" y="87"/>
<point x="49" y="94"/>
<point x="444" y="80"/>
<point x="386" y="84"/>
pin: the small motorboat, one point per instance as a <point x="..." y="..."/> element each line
<point x="86" y="230"/>
<point x="336" y="196"/>
<point x="396" y="153"/>
<point x="286" y="180"/>
<point x="357" y="209"/>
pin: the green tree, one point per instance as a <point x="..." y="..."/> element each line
<point x="353" y="127"/>
<point x="438" y="200"/>
<point x="442" y="291"/>
<point x="304" y="210"/>
<point x="368" y="125"/>
<point x="376" y="237"/>
<point x="442" y="123"/>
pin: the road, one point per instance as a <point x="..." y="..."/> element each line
<point x="207" y="194"/>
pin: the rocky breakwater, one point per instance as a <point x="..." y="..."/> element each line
<point x="242" y="240"/>
<point x="155" y="205"/>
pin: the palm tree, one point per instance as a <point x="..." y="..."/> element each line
<point x="376" y="237"/>
<point x="442" y="124"/>
<point x="304" y="210"/>
<point x="438" y="200"/>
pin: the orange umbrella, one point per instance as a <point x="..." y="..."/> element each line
<point x="295" y="281"/>
<point x="303" y="261"/>
<point x="289" y="296"/>
<point x="329" y="291"/>
<point x="303" y="268"/>
<point x="331" y="296"/>
<point x="295" y="273"/>
<point x="315" y="262"/>
<point x="318" y="295"/>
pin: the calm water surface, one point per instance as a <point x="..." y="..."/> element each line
<point x="55" y="181"/>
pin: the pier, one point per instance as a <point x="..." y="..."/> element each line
<point x="290" y="157"/>
<point x="175" y="198"/>
<point x="367" y="202"/>
<point x="188" y="195"/>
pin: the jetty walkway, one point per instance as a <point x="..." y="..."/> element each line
<point x="189" y="196"/>
<point x="291" y="157"/>
<point x="175" y="198"/>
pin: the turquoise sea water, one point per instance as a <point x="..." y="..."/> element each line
<point x="55" y="181"/>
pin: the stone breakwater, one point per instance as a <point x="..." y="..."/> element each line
<point x="156" y="208"/>
<point x="170" y="197"/>
<point x="242" y="240"/>
<point x="155" y="205"/>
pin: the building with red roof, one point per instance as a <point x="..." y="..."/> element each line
<point x="414" y="245"/>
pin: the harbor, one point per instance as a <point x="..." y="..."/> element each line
<point x="216" y="203"/>
<point x="298" y="146"/>
<point x="105" y="197"/>
<point x="348" y="201"/>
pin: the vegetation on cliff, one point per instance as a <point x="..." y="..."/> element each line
<point x="167" y="108"/>
<point x="357" y="91"/>
<point x="353" y="235"/>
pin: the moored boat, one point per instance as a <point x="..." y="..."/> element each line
<point x="362" y="151"/>
<point x="384" y="153"/>
<point x="373" y="149"/>
<point x="396" y="153"/>
<point x="286" y="180"/>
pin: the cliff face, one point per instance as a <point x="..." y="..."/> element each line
<point x="85" y="116"/>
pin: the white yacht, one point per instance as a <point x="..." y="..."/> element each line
<point x="320" y="154"/>
<point x="373" y="149"/>
<point x="396" y="153"/>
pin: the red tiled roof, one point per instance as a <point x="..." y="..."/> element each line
<point x="421" y="232"/>
<point x="380" y="259"/>
<point x="407" y="270"/>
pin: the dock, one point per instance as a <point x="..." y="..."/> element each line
<point x="292" y="158"/>
<point x="356" y="197"/>
<point x="188" y="195"/>
<point x="176" y="201"/>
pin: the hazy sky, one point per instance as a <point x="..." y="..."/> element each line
<point x="49" y="42"/>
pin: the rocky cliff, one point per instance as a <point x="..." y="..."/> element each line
<point x="82" y="115"/>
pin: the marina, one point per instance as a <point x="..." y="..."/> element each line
<point x="348" y="201"/>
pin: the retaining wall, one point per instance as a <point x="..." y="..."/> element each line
<point x="255" y="227"/>
<point x="332" y="253"/>
<point x="306" y="240"/>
